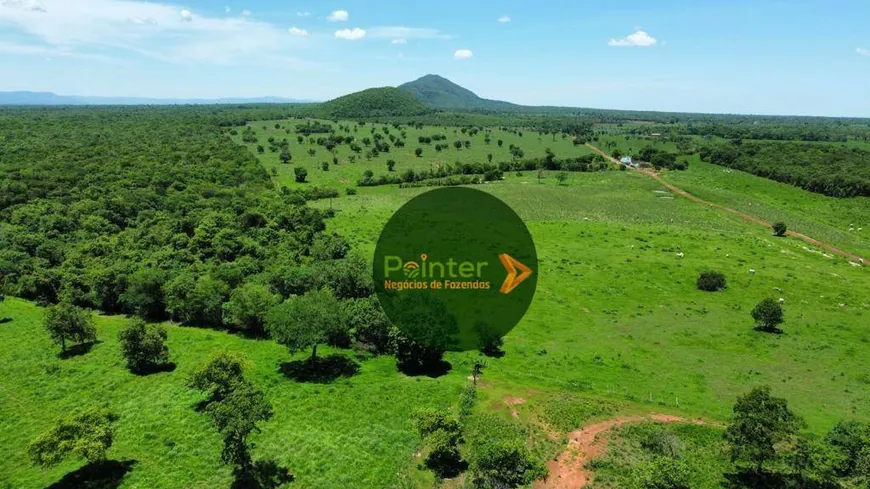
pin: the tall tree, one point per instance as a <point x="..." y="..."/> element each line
<point x="88" y="435"/>
<point x="143" y="346"/>
<point x="66" y="322"/>
<point x="760" y="423"/>
<point x="305" y="321"/>
<point x="236" y="418"/>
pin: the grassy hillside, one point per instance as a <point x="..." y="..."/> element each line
<point x="439" y="92"/>
<point x="374" y="102"/>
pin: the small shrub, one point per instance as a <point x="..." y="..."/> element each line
<point x="143" y="346"/>
<point x="711" y="281"/>
<point x="779" y="228"/>
<point x="768" y="315"/>
<point x="350" y="191"/>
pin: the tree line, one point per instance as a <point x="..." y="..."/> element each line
<point x="822" y="168"/>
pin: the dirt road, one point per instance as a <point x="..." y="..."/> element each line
<point x="673" y="188"/>
<point x="569" y="470"/>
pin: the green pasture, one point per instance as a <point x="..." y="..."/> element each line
<point x="346" y="174"/>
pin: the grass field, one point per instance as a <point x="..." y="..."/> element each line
<point x="616" y="316"/>
<point x="346" y="174"/>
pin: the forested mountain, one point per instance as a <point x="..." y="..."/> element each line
<point x="441" y="93"/>
<point x="374" y="102"/>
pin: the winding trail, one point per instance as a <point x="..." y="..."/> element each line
<point x="673" y="188"/>
<point x="568" y="470"/>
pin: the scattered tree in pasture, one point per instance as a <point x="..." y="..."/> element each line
<point x="311" y="152"/>
<point x="285" y="156"/>
<point x="711" y="281"/>
<point x="305" y="321"/>
<point x="457" y="144"/>
<point x="760" y="425"/>
<point x="66" y="322"/>
<point x="324" y="166"/>
<point x="489" y="157"/>
<point x="220" y="376"/>
<point x="260" y="149"/>
<point x="779" y="228"/>
<point x="391" y="165"/>
<point x="248" y="306"/>
<point x="88" y="435"/>
<point x="143" y="346"/>
<point x="561" y="177"/>
<point x="418" y="152"/>
<point x="300" y="174"/>
<point x="768" y="315"/>
<point x="500" y="143"/>
<point x="236" y="418"/>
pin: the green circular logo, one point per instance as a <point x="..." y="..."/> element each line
<point x="455" y="269"/>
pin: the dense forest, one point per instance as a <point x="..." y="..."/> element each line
<point x="826" y="169"/>
<point x="153" y="212"/>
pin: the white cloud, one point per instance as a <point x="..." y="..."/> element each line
<point x="463" y="54"/>
<point x="246" y="13"/>
<point x="26" y="5"/>
<point x="145" y="28"/>
<point x="303" y="14"/>
<point x="863" y="51"/>
<point x="639" y="39"/>
<point x="399" y="41"/>
<point x="354" y="34"/>
<point x="295" y="31"/>
<point x="504" y="19"/>
<point x="401" y="32"/>
<point x="338" y="16"/>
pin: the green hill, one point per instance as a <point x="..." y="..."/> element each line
<point x="374" y="102"/>
<point x="441" y="93"/>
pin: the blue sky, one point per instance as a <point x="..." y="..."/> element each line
<point x="739" y="56"/>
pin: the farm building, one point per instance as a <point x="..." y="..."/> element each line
<point x="626" y="160"/>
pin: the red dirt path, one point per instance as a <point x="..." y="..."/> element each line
<point x="569" y="470"/>
<point x="748" y="217"/>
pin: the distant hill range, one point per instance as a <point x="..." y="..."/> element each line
<point x="48" y="98"/>
<point x="441" y="93"/>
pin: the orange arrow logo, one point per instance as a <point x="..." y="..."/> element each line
<point x="512" y="280"/>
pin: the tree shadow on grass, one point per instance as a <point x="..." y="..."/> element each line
<point x="107" y="474"/>
<point x="775" y="331"/>
<point x="322" y="371"/>
<point x="78" y="350"/>
<point x="492" y="352"/>
<point x="264" y="474"/>
<point x="155" y="369"/>
<point x="5" y="320"/>
<point x="433" y="369"/>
